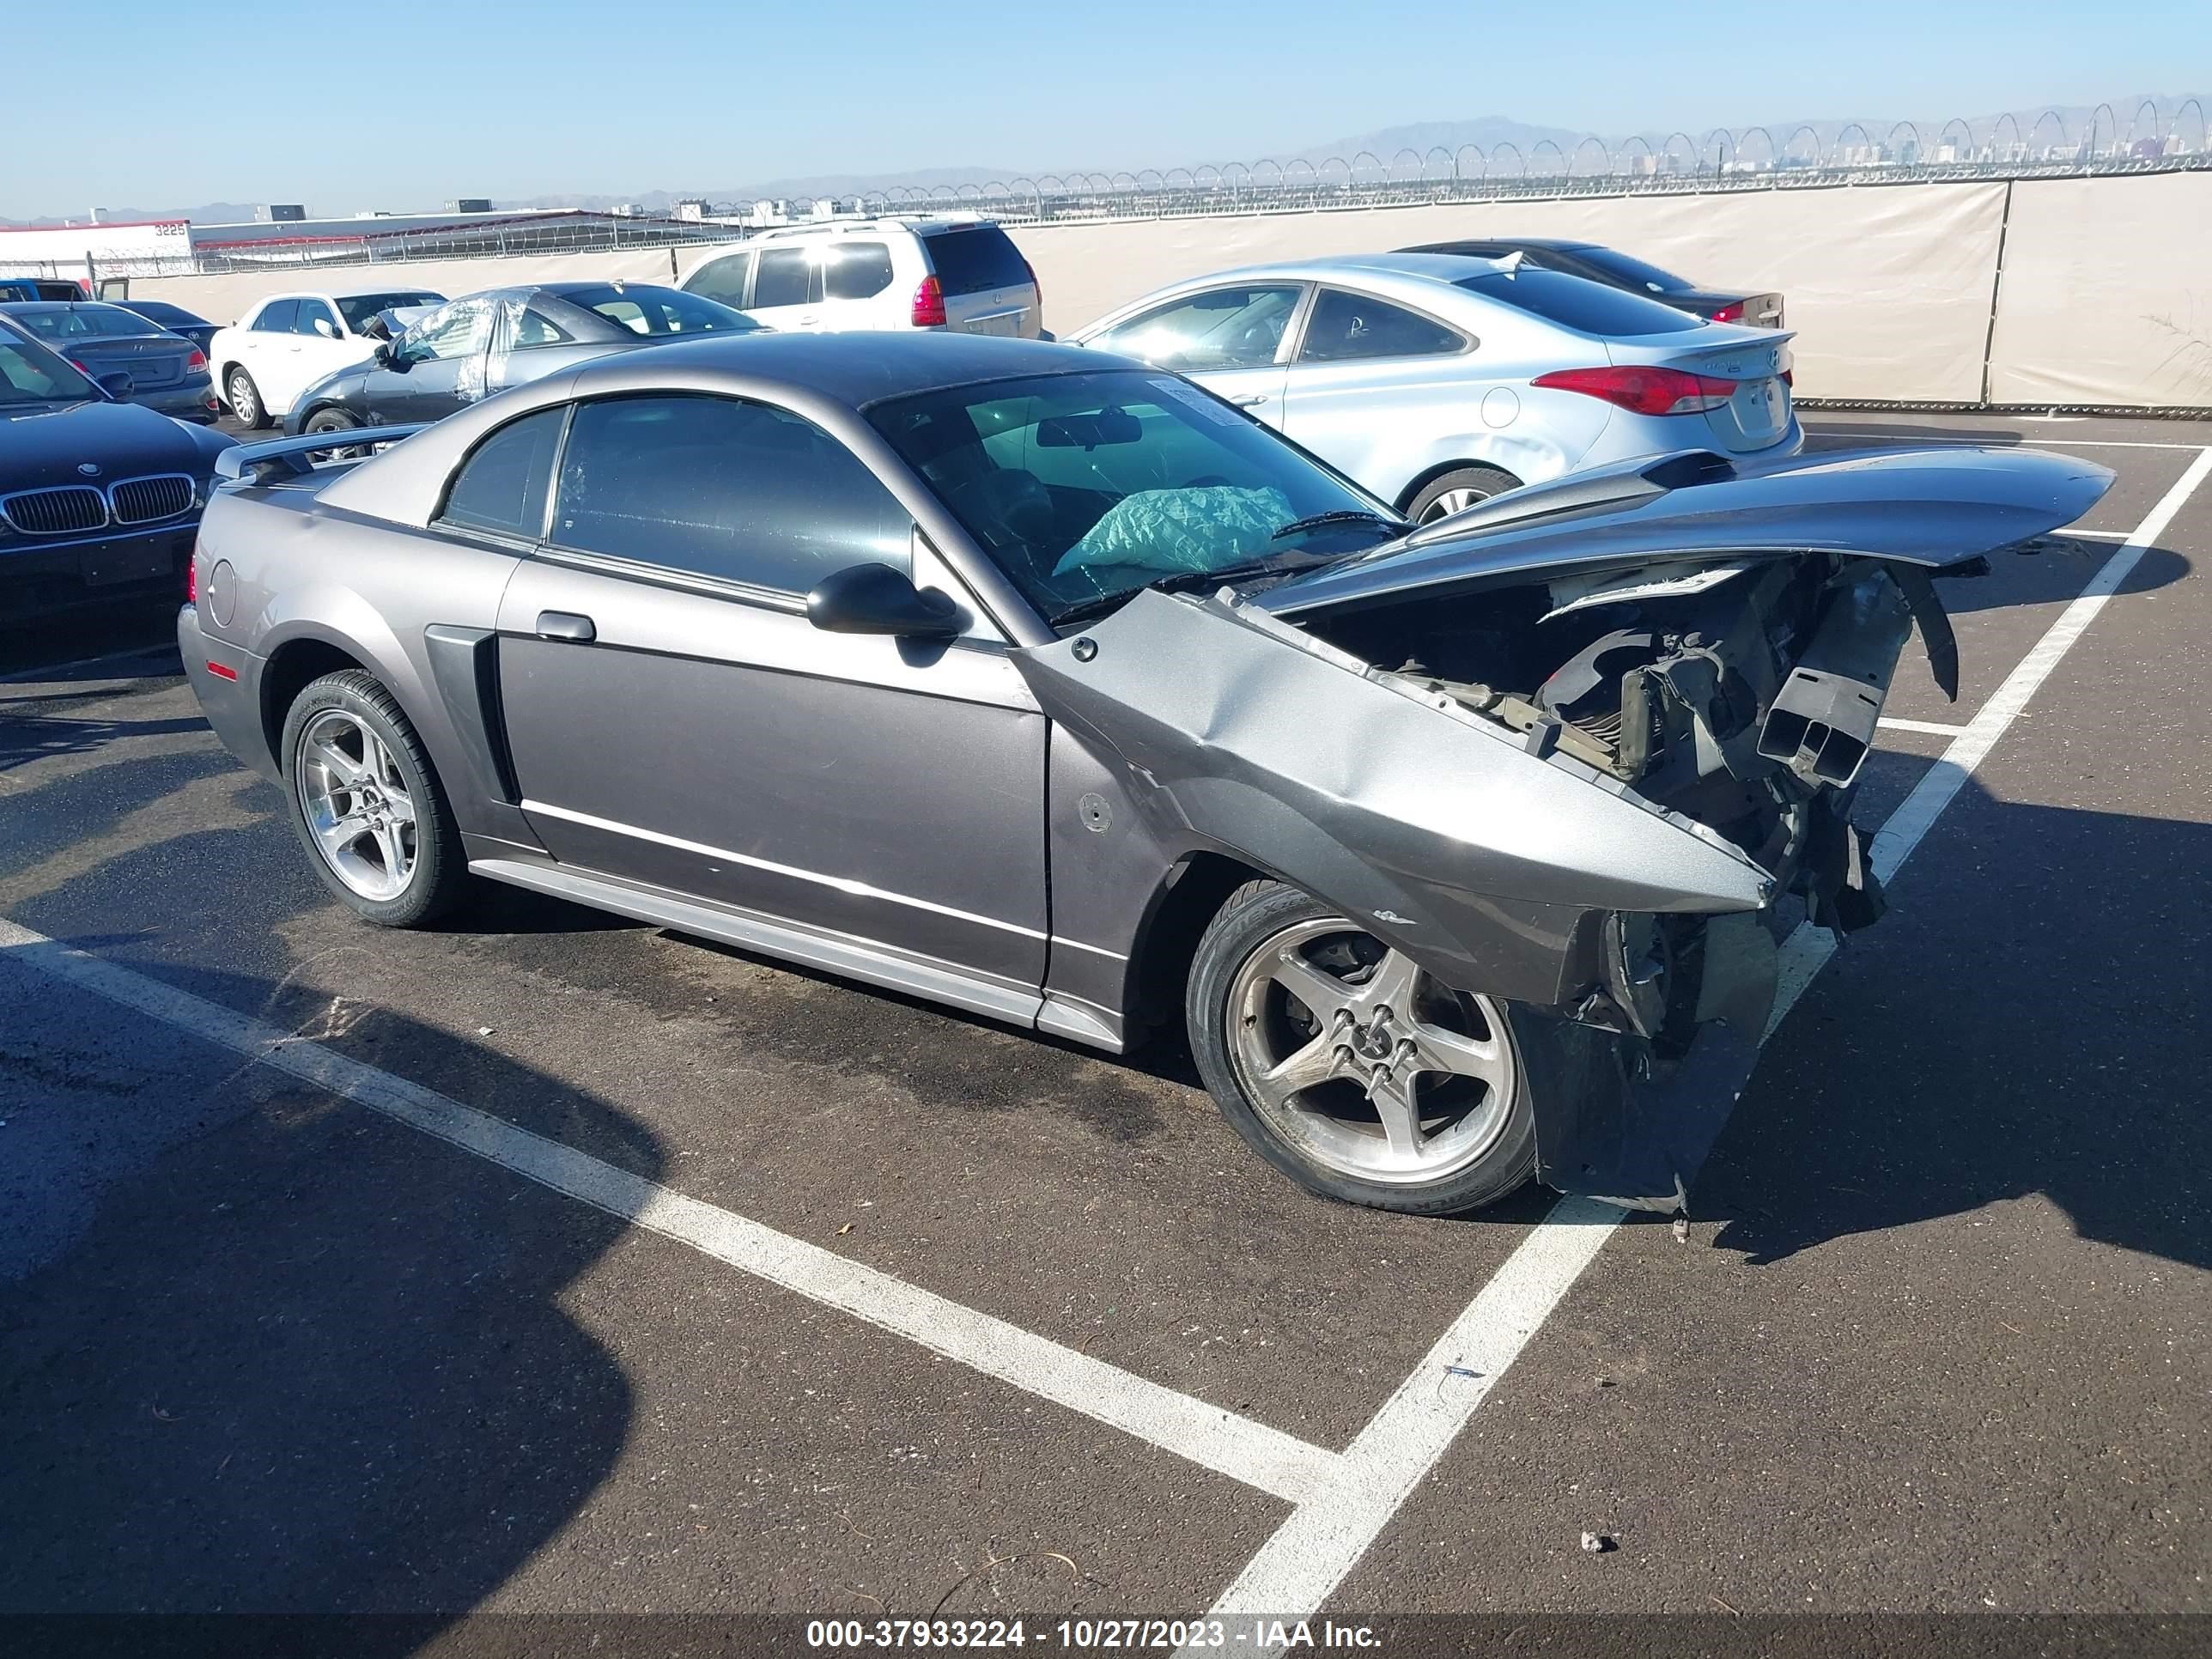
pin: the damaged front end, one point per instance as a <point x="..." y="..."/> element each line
<point x="1599" y="775"/>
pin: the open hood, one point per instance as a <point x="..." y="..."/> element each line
<point x="1934" y="508"/>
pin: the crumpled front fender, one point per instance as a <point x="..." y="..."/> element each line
<point x="1438" y="830"/>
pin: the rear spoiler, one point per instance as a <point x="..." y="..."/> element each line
<point x="282" y="457"/>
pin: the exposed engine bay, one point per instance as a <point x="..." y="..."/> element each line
<point x="1743" y="695"/>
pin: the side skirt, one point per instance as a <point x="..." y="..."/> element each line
<point x="834" y="953"/>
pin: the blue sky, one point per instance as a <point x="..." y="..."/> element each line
<point x="337" y="107"/>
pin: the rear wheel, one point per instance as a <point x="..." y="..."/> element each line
<point x="367" y="805"/>
<point x="245" y="399"/>
<point x="1458" y="490"/>
<point x="1350" y="1068"/>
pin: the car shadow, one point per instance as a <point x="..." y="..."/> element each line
<point x="2020" y="1030"/>
<point x="265" y="1350"/>
<point x="2052" y="570"/>
<point x="27" y="737"/>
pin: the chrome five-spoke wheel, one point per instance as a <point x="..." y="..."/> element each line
<point x="1362" y="1062"/>
<point x="357" y="804"/>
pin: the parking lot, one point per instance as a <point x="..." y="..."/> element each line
<point x="546" y="1262"/>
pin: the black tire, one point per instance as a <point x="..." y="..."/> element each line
<point x="440" y="877"/>
<point x="1261" y="911"/>
<point x="244" y="398"/>
<point x="1476" y="482"/>
<point x="336" y="420"/>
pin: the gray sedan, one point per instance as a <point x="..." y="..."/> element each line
<point x="451" y="356"/>
<point x="164" y="372"/>
<point x="1049" y="686"/>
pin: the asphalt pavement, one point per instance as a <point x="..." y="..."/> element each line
<point x="547" y="1263"/>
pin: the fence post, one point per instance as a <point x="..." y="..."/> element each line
<point x="1996" y="287"/>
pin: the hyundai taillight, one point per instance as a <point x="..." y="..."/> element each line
<point x="929" y="304"/>
<point x="1036" y="287"/>
<point x="1787" y="377"/>
<point x="1730" y="313"/>
<point x="1644" y="390"/>
<point x="197" y="360"/>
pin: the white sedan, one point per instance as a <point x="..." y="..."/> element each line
<point x="1437" y="380"/>
<point x="289" y="341"/>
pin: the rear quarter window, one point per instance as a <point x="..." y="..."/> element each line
<point x="501" y="486"/>
<point x="974" y="259"/>
<point x="1576" y="302"/>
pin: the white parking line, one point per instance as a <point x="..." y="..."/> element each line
<point x="1931" y="728"/>
<point x="1219" y="1440"/>
<point x="1308" y="1556"/>
<point x="1917" y="442"/>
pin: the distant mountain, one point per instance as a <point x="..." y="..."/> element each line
<point x="1385" y="144"/>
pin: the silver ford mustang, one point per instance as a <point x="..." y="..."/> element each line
<point x="1050" y="686"/>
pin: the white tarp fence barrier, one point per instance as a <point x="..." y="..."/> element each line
<point x="2105" y="297"/>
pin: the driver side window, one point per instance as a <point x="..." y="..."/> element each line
<point x="458" y="331"/>
<point x="1221" y="328"/>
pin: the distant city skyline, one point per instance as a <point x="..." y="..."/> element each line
<point x="713" y="101"/>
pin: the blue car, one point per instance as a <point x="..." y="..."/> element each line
<point x="100" y="499"/>
<point x="165" y="372"/>
<point x="178" y="321"/>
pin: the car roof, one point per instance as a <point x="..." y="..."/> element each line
<point x="562" y="290"/>
<point x="858" y="369"/>
<point x="1561" y="244"/>
<point x="824" y="377"/>
<point x="36" y="307"/>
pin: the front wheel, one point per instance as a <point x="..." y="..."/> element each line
<point x="367" y="806"/>
<point x="1458" y="490"/>
<point x="336" y="420"/>
<point x="1349" y="1067"/>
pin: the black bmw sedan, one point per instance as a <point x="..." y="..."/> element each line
<point x="480" y="343"/>
<point x="100" y="499"/>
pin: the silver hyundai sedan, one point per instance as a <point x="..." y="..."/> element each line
<point x="1437" y="380"/>
<point x="1050" y="686"/>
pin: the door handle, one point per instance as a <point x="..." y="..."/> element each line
<point x="1250" y="399"/>
<point x="566" y="625"/>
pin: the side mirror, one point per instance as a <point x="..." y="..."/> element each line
<point x="382" y="355"/>
<point x="874" y="599"/>
<point x="115" y="383"/>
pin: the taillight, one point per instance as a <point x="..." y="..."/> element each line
<point x="1730" y="313"/>
<point x="1787" y="377"/>
<point x="79" y="364"/>
<point x="1036" y="287"/>
<point x="1645" y="390"/>
<point x="197" y="360"/>
<point x="929" y="304"/>
<point x="192" y="578"/>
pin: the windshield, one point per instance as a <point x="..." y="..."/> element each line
<point x="1577" y="303"/>
<point x="29" y="376"/>
<point x="1085" y="487"/>
<point x="659" y="310"/>
<point x="1648" y="277"/>
<point x="360" y="308"/>
<point x="84" y="323"/>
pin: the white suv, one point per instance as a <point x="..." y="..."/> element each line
<point x="964" y="275"/>
<point x="290" y="341"/>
